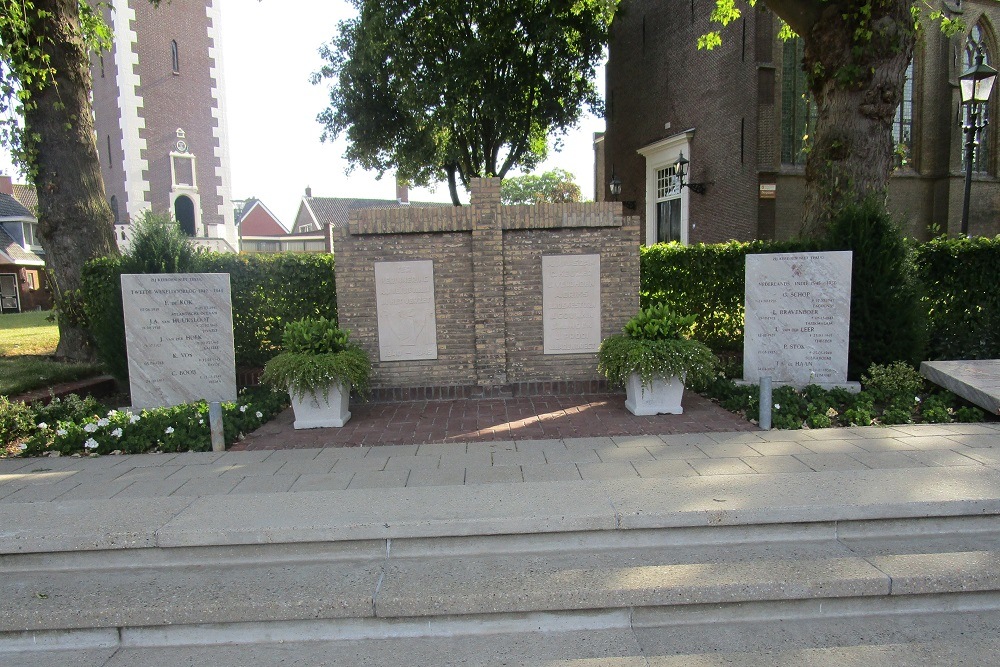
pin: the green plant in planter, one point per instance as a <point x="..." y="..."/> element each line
<point x="315" y="354"/>
<point x="656" y="343"/>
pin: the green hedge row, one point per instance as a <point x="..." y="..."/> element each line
<point x="267" y="290"/>
<point x="958" y="279"/>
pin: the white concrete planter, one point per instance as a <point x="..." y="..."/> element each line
<point x="662" y="398"/>
<point x="312" y="410"/>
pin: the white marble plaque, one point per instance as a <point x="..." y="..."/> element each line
<point x="179" y="337"/>
<point x="404" y="299"/>
<point x="798" y="315"/>
<point x="571" y="303"/>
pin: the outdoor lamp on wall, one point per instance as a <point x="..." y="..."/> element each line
<point x="976" y="85"/>
<point x="681" y="170"/>
<point x="616" y="190"/>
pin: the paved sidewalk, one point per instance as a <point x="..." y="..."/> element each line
<point x="630" y="457"/>
<point x="485" y="420"/>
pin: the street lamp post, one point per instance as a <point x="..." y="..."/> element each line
<point x="976" y="86"/>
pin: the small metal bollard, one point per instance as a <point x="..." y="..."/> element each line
<point x="215" y="422"/>
<point x="765" y="403"/>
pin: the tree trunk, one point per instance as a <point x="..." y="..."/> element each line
<point x="856" y="87"/>
<point x="453" y="184"/>
<point x="75" y="222"/>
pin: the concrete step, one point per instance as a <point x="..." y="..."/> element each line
<point x="836" y="637"/>
<point x="444" y="579"/>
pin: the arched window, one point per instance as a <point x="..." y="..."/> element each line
<point x="184" y="214"/>
<point x="902" y="124"/>
<point x="798" y="111"/>
<point x="981" y="153"/>
<point x="175" y="57"/>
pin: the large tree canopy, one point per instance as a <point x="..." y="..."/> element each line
<point x="855" y="58"/>
<point x="459" y="89"/>
<point x="44" y="58"/>
<point x="552" y="187"/>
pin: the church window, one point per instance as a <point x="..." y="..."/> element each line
<point x="175" y="57"/>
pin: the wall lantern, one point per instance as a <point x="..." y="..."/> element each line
<point x="616" y="190"/>
<point x="976" y="84"/>
<point x="681" y="170"/>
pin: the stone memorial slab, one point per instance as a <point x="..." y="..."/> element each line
<point x="404" y="300"/>
<point x="571" y="303"/>
<point x="977" y="381"/>
<point x="179" y="338"/>
<point x="798" y="313"/>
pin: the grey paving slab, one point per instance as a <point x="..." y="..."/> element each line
<point x="394" y="450"/>
<point x="730" y="466"/>
<point x="37" y="478"/>
<point x="779" y="448"/>
<point x="833" y="447"/>
<point x="988" y="457"/>
<point x="376" y="514"/>
<point x="688" y="439"/>
<point x="528" y="445"/>
<point x="884" y="444"/>
<point x="329" y="482"/>
<point x="257" y="456"/>
<point x="12" y="465"/>
<point x="929" y="442"/>
<point x="297" y="455"/>
<point x="87" y="524"/>
<point x="736" y="437"/>
<point x="550" y="472"/>
<point x="573" y="455"/>
<point x="977" y="441"/>
<point x="941" y="573"/>
<point x="481" y="458"/>
<point x="517" y="458"/>
<point x="337" y="453"/>
<point x="148" y="473"/>
<point x="95" y="490"/>
<point x="666" y="452"/>
<point x="87" y="657"/>
<point x="310" y="467"/>
<point x="206" y="486"/>
<point x="442" y="448"/>
<point x="197" y="458"/>
<point x="795" y="497"/>
<point x="637" y="440"/>
<point x="890" y="460"/>
<point x="729" y="450"/>
<point x="589" y="443"/>
<point x="776" y="464"/>
<point x="270" y="484"/>
<point x="665" y="468"/>
<point x="436" y="477"/>
<point x="493" y="475"/>
<point x="943" y="457"/>
<point x="40" y="493"/>
<point x="368" y="463"/>
<point x="776" y="435"/>
<point x="145" y="460"/>
<point x="623" y="454"/>
<point x="831" y="461"/>
<point x="611" y="470"/>
<point x="423" y="462"/>
<point x="149" y="488"/>
<point x="379" y="479"/>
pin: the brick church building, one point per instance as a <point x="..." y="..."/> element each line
<point x="160" y="118"/>
<point x="739" y="114"/>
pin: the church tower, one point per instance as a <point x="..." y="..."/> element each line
<point x="160" y="118"/>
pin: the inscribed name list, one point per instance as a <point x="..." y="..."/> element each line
<point x="571" y="303"/>
<point x="404" y="299"/>
<point x="798" y="316"/>
<point x="179" y="337"/>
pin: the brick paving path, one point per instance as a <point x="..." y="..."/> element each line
<point x="489" y="420"/>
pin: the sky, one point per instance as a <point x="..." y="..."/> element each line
<point x="270" y="48"/>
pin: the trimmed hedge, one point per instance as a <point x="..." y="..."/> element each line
<point x="961" y="296"/>
<point x="267" y="290"/>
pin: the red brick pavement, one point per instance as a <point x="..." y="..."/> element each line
<point x="528" y="418"/>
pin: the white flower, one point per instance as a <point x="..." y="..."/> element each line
<point x="60" y="432"/>
<point x="117" y="433"/>
<point x="243" y="408"/>
<point x="90" y="444"/>
<point x="102" y="422"/>
<point x="22" y="447"/>
<point x="777" y="407"/>
<point x="112" y="413"/>
<point x="201" y="421"/>
<point x="90" y="428"/>
<point x="916" y="399"/>
<point x="170" y="429"/>
<point x="133" y="419"/>
<point x="260" y="415"/>
<point x="42" y="425"/>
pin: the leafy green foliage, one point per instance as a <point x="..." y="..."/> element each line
<point x="553" y="187"/>
<point x="887" y="321"/>
<point x="82" y="426"/>
<point x="893" y="382"/>
<point x="16" y="420"/>
<point x="961" y="298"/>
<point x="314" y="336"/>
<point x="267" y="291"/>
<point x="435" y="88"/>
<point x="159" y="246"/>
<point x="658" y="322"/>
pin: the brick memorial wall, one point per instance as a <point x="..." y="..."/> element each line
<point x="486" y="268"/>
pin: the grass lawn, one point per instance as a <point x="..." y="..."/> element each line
<point x="27" y="341"/>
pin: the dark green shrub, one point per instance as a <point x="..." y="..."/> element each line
<point x="897" y="382"/>
<point x="158" y="246"/>
<point x="16" y="421"/>
<point x="316" y="355"/>
<point x="961" y="299"/>
<point x="313" y="336"/>
<point x="887" y="321"/>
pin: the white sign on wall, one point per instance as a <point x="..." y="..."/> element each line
<point x="571" y="303"/>
<point x="179" y="338"/>
<point x="798" y="317"/>
<point x="404" y="299"/>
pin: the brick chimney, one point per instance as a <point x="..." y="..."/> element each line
<point x="402" y="192"/>
<point x="6" y="185"/>
<point x="309" y="191"/>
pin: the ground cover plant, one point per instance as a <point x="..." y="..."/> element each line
<point x="891" y="394"/>
<point x="83" y="426"/>
<point x="27" y="341"/>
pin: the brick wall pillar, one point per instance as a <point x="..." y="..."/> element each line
<point x="488" y="284"/>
